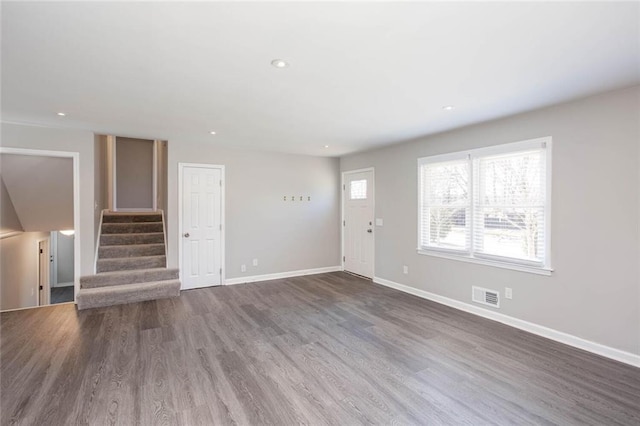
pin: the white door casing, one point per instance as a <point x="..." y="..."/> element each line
<point x="75" y="156"/>
<point x="44" y="272"/>
<point x="358" y="222"/>
<point x="201" y="230"/>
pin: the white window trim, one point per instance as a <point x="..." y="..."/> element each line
<point x="479" y="258"/>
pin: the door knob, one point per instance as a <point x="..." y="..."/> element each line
<point x="186" y="235"/>
<point x="369" y="231"/>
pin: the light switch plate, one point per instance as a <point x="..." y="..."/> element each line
<point x="379" y="222"/>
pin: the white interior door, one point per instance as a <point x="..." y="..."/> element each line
<point x="358" y="222"/>
<point x="201" y="226"/>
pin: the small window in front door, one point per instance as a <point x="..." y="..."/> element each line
<point x="358" y="190"/>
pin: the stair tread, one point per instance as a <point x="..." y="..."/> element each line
<point x="131" y="223"/>
<point x="125" y="287"/>
<point x="132" y="228"/>
<point x="138" y="233"/>
<point x="133" y="263"/>
<point x="127" y="293"/>
<point x="134" y="271"/>
<point x="114" y="251"/>
<point x="128" y="276"/>
<point x="131" y="257"/>
<point x="140" y="213"/>
<point x="120" y="239"/>
<point x="132" y="245"/>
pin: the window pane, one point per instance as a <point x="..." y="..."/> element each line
<point x="447" y="228"/>
<point x="513" y="179"/>
<point x="358" y="189"/>
<point x="509" y="209"/>
<point x="447" y="183"/>
<point x="445" y="205"/>
<point x="514" y="232"/>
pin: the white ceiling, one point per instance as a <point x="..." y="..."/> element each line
<point x="360" y="75"/>
<point x="41" y="189"/>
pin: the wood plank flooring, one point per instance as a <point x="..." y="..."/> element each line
<point x="323" y="349"/>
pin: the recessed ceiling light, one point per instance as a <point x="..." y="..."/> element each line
<point x="212" y="132"/>
<point x="448" y="107"/>
<point x="279" y="63"/>
<point x="326" y="146"/>
<point x="61" y="114"/>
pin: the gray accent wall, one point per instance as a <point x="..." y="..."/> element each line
<point x="283" y="235"/>
<point x="594" y="291"/>
<point x="134" y="173"/>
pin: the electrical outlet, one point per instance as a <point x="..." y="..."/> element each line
<point x="508" y="293"/>
<point x="405" y="269"/>
<point x="243" y="268"/>
<point x="255" y="262"/>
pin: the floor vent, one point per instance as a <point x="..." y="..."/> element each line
<point x="485" y="296"/>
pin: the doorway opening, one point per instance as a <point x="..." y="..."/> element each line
<point x="39" y="193"/>
<point x="62" y="260"/>
<point x="134" y="173"/>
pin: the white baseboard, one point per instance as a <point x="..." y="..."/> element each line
<point x="280" y="275"/>
<point x="549" y="333"/>
<point x="70" y="284"/>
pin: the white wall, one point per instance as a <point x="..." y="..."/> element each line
<point x="594" y="292"/>
<point x="283" y="235"/>
<point x="41" y="189"/>
<point x="64" y="252"/>
<point x="9" y="221"/>
<point x="81" y="141"/>
<point x="19" y="273"/>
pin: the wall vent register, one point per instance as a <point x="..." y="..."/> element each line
<point x="485" y="296"/>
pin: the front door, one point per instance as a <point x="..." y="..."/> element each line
<point x="201" y="226"/>
<point x="358" y="222"/>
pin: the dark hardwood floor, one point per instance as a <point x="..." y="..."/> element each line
<point x="323" y="349"/>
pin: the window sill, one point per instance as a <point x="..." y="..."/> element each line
<point x="487" y="262"/>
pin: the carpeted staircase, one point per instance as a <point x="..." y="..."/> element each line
<point x="131" y="265"/>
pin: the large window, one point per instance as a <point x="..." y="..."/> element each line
<point x="488" y="205"/>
